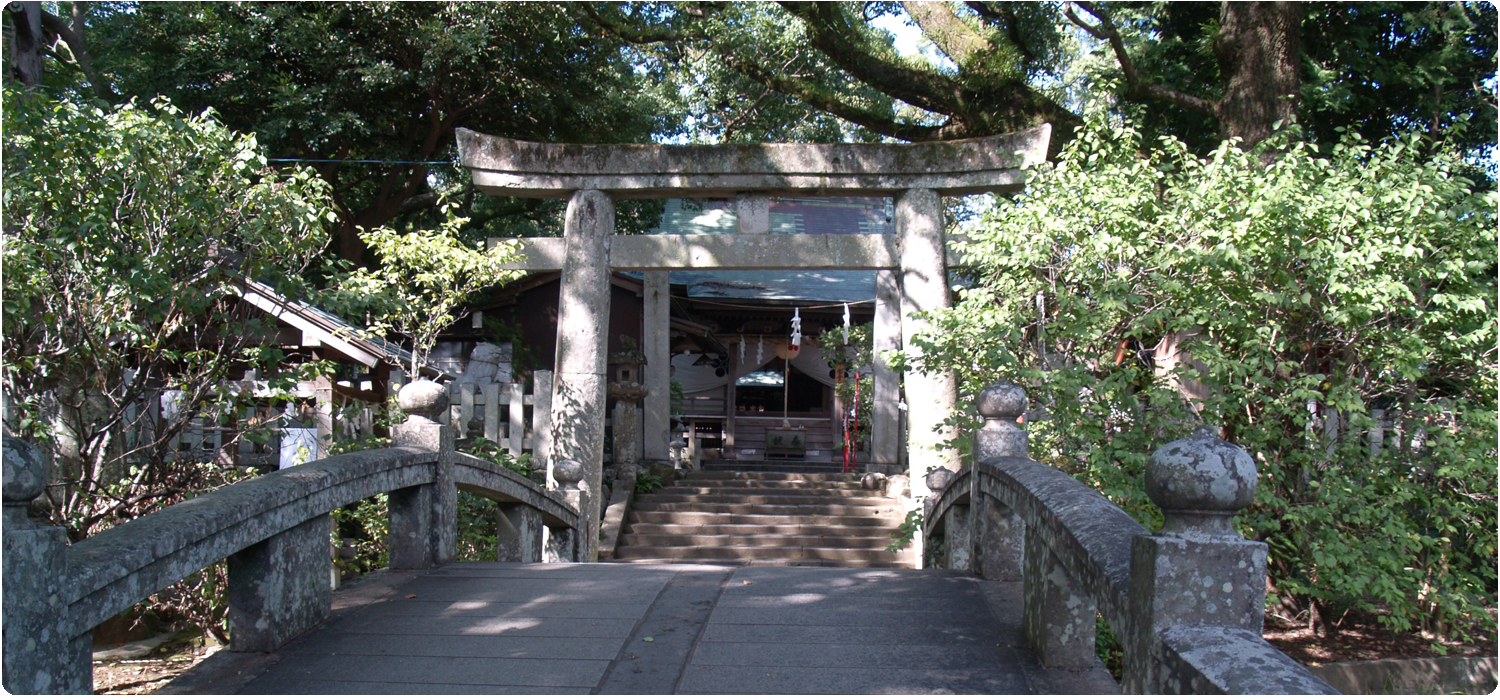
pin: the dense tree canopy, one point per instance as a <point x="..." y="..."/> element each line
<point x="1201" y="71"/>
<point x="369" y="94"/>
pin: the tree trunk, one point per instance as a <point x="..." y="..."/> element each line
<point x="1259" y="51"/>
<point x="26" y="54"/>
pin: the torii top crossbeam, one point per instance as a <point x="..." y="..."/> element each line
<point x="510" y="168"/>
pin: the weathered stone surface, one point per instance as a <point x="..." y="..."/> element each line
<point x="885" y="416"/>
<point x="279" y="588"/>
<point x="582" y="326"/>
<point x="484" y="478"/>
<point x="662" y="252"/>
<point x="440" y="533"/>
<point x="1229" y="661"/>
<point x="1199" y="482"/>
<point x="1218" y="582"/>
<point x="423" y="397"/>
<point x="656" y="343"/>
<point x="1001" y="405"/>
<point x="1470" y="675"/>
<point x="938" y="479"/>
<point x="930" y="397"/>
<point x="521" y="534"/>
<point x="1057" y="613"/>
<point x="958" y="538"/>
<point x="525" y="169"/>
<point x="39" y="655"/>
<point x="113" y="570"/>
<point x="752" y="213"/>
<point x="614" y="515"/>
<point x="803" y="251"/>
<point x="1000" y="540"/>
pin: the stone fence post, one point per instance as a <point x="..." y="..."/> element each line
<point x="1000" y="536"/>
<point x="1196" y="570"/>
<point x="41" y="655"/>
<point x="424" y="518"/>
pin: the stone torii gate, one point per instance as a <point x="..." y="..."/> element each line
<point x="911" y="264"/>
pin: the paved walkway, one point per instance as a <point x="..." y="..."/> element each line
<point x="654" y="628"/>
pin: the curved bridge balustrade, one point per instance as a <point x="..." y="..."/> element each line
<point x="273" y="530"/>
<point x="1186" y="602"/>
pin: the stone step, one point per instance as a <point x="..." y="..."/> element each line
<point x="795" y="520"/>
<point x="750" y="474"/>
<point x="887" y="509"/>
<point x="775" y="466"/>
<point x="752" y="553"/>
<point x="770" y="488"/>
<point x="763" y="499"/>
<point x="643" y="528"/>
<point x="847" y="564"/>
<point x="635" y="539"/>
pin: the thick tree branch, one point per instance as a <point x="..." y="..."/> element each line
<point x="1105" y="31"/>
<point x="823" y="100"/>
<point x="633" y="34"/>
<point x="832" y="34"/>
<point x="950" y="32"/>
<point x="72" y="35"/>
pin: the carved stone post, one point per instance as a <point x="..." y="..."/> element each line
<point x="1000" y="534"/>
<point x="582" y="330"/>
<point x="1195" y="570"/>
<point x="560" y="544"/>
<point x="279" y="587"/>
<point x="424" y="519"/>
<point x="42" y="655"/>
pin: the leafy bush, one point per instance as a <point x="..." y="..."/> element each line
<point x="1307" y="290"/>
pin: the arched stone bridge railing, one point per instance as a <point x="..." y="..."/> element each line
<point x="1186" y="603"/>
<point x="273" y="530"/>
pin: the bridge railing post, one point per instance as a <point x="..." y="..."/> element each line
<point x="1195" y="570"/>
<point x="520" y="536"/>
<point x="424" y="518"/>
<point x="42" y="656"/>
<point x="279" y="587"/>
<point x="999" y="535"/>
<point x="560" y="544"/>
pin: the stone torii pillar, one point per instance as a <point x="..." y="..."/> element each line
<point x="582" y="342"/>
<point x="930" y="396"/>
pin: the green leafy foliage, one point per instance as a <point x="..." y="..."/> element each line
<point x="854" y="352"/>
<point x="1307" y="293"/>
<point x="905" y="532"/>
<point x="646" y="482"/>
<point x="127" y="232"/>
<point x="424" y="276"/>
<point x="488" y="450"/>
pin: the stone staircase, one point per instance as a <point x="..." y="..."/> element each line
<point x="764" y="518"/>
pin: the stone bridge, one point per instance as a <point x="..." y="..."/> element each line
<point x="1038" y="557"/>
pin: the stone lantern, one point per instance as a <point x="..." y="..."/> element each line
<point x="626" y="389"/>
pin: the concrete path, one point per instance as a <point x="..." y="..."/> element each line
<point x="655" y="628"/>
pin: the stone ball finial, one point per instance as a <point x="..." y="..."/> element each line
<point x="938" y="479"/>
<point x="568" y="472"/>
<point x="25" y="473"/>
<point x="1001" y="400"/>
<point x="1199" y="482"/>
<point x="424" y="398"/>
